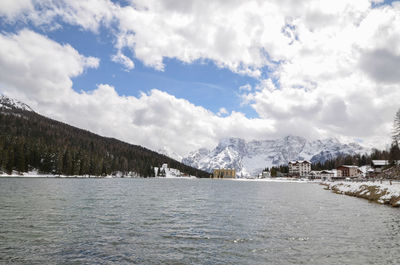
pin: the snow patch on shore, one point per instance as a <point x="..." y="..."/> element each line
<point x="285" y="180"/>
<point x="36" y="174"/>
<point x="384" y="193"/>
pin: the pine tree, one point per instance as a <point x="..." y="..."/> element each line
<point x="394" y="154"/>
<point x="85" y="165"/>
<point x="59" y="162"/>
<point x="124" y="165"/>
<point x="4" y="159"/>
<point x="396" y="128"/>
<point x="67" y="163"/>
<point x="20" y="157"/>
<point x="10" y="161"/>
<point x="273" y="172"/>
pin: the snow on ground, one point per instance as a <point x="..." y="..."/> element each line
<point x="36" y="174"/>
<point x="29" y="174"/>
<point x="383" y="193"/>
<point x="166" y="172"/>
<point x="287" y="180"/>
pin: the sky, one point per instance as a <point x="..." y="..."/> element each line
<point x="181" y="75"/>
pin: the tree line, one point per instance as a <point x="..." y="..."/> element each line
<point x="392" y="155"/>
<point x="31" y="141"/>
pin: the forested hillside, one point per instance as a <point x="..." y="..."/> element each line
<point x="31" y="141"/>
<point x="358" y="159"/>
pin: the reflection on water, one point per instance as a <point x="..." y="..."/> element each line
<point x="146" y="221"/>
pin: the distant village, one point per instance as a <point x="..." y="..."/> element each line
<point x="302" y="169"/>
<point x="377" y="170"/>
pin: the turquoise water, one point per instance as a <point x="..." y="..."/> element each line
<point x="170" y="221"/>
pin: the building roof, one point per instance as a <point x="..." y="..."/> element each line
<point x="380" y="162"/>
<point x="383" y="162"/>
<point x="348" y="166"/>
<point x="300" y="162"/>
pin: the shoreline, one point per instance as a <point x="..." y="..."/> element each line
<point x="33" y="176"/>
<point x="281" y="180"/>
<point x="37" y="175"/>
<point x="381" y="193"/>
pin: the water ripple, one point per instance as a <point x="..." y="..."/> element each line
<point x="161" y="221"/>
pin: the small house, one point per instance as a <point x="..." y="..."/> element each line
<point x="327" y="175"/>
<point x="349" y="171"/>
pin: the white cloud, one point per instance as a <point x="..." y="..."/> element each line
<point x="332" y="65"/>
<point x="38" y="71"/>
<point x="124" y="60"/>
<point x="12" y="8"/>
<point x="246" y="87"/>
<point x="222" y="111"/>
<point x="39" y="68"/>
<point x="88" y="14"/>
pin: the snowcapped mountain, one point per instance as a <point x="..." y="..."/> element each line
<point x="167" y="152"/>
<point x="250" y="158"/>
<point x="9" y="103"/>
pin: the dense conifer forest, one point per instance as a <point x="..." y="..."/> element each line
<point x="358" y="159"/>
<point x="31" y="141"/>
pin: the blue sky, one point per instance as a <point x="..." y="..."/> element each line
<point x="309" y="68"/>
<point x="202" y="82"/>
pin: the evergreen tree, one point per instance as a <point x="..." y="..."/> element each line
<point x="20" y="157"/>
<point x="396" y="128"/>
<point x="85" y="165"/>
<point x="67" y="163"/>
<point x="4" y="159"/>
<point x="59" y="162"/>
<point x="10" y="161"/>
<point x="273" y="172"/>
<point x="394" y="154"/>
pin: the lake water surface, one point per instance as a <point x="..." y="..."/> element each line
<point x="181" y="221"/>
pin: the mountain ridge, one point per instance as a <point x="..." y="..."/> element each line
<point x="249" y="158"/>
<point x="29" y="141"/>
<point x="10" y="103"/>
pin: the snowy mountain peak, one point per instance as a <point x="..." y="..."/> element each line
<point x="167" y="152"/>
<point x="250" y="158"/>
<point x="293" y="138"/>
<point x="231" y="142"/>
<point x="9" y="103"/>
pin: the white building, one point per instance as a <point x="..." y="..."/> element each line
<point x="314" y="174"/>
<point x="299" y="168"/>
<point x="327" y="175"/>
<point x="165" y="171"/>
<point x="265" y="174"/>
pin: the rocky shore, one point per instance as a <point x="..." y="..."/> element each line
<point x="383" y="193"/>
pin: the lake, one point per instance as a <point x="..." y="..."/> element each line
<point x="184" y="221"/>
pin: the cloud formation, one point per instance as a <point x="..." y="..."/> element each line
<point x="325" y="68"/>
<point x="38" y="71"/>
<point x="36" y="68"/>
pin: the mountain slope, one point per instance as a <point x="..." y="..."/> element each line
<point x="12" y="104"/>
<point x="249" y="158"/>
<point x="29" y="140"/>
